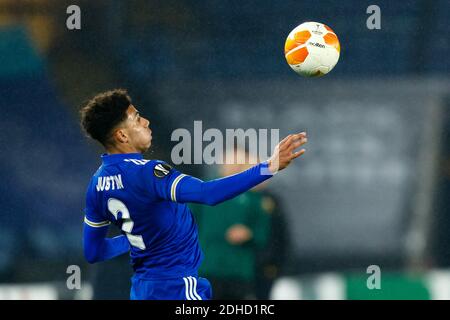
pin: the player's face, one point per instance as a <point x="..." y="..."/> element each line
<point x="137" y="129"/>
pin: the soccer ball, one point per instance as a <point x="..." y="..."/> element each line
<point x="312" y="49"/>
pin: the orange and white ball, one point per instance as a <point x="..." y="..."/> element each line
<point x="312" y="49"/>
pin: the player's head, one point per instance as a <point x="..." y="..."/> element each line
<point x="111" y="119"/>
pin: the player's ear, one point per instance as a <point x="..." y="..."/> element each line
<point x="120" y="136"/>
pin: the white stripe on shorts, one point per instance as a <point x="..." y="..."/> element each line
<point x="186" y="289"/>
<point x="191" y="288"/>
<point x="195" y="289"/>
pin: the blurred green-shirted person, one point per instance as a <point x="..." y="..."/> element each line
<point x="230" y="235"/>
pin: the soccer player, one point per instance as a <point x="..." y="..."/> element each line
<point x="147" y="199"/>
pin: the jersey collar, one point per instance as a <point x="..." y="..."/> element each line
<point x="114" y="158"/>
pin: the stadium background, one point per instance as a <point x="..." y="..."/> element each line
<point x="372" y="190"/>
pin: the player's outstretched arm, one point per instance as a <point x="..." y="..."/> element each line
<point x="98" y="248"/>
<point x="212" y="192"/>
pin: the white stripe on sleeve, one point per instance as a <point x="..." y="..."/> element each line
<point x="96" y="224"/>
<point x="173" y="189"/>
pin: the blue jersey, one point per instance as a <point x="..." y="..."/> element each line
<point x="140" y="197"/>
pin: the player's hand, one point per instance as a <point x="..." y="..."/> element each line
<point x="238" y="234"/>
<point x="285" y="152"/>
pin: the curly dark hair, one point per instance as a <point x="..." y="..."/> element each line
<point x="103" y="112"/>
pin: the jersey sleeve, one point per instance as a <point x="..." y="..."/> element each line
<point x="162" y="180"/>
<point x="92" y="217"/>
<point x="167" y="183"/>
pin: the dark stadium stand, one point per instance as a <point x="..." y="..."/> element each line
<point x="240" y="40"/>
<point x="44" y="159"/>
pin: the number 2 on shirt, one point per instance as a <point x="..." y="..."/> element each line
<point x="115" y="206"/>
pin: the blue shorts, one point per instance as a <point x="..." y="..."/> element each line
<point x="184" y="288"/>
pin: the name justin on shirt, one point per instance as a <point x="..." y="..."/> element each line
<point x="109" y="183"/>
